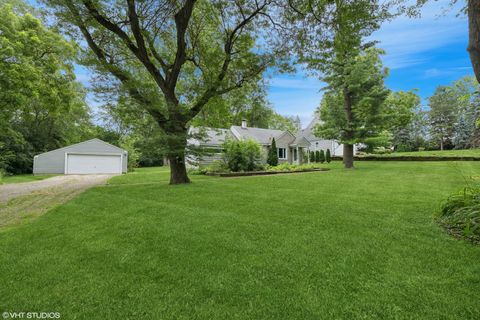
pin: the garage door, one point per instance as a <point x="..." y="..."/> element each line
<point x="91" y="164"/>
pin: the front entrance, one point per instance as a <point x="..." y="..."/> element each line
<point x="298" y="155"/>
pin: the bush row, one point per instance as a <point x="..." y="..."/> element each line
<point x="320" y="156"/>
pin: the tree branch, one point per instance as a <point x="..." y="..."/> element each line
<point x="120" y="74"/>
<point x="182" y="18"/>
<point x="140" y="51"/>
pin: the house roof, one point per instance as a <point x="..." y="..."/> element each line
<point x="308" y="131"/>
<point x="301" y="141"/>
<point x="210" y="136"/>
<point x="262" y="136"/>
<point x="83" y="142"/>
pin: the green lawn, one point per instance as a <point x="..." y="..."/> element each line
<point x="24" y="178"/>
<point x="444" y="153"/>
<point x="339" y="244"/>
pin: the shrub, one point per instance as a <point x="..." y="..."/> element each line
<point x="382" y="150"/>
<point x="215" y="166"/>
<point x="383" y="140"/>
<point x="252" y="152"/>
<point x="128" y="143"/>
<point x="460" y="214"/>
<point x="322" y="156"/>
<point x="312" y="156"/>
<point x="317" y="156"/>
<point x="328" y="156"/>
<point x="241" y="155"/>
<point x="272" y="158"/>
<point x="287" y="167"/>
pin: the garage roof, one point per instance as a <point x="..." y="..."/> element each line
<point x="84" y="142"/>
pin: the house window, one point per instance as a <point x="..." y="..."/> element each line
<point x="282" y="153"/>
<point x="295" y="155"/>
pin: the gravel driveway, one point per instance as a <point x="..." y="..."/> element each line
<point x="21" y="202"/>
<point x="61" y="183"/>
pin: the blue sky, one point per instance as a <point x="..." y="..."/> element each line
<point x="421" y="54"/>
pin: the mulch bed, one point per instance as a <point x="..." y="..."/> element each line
<point x="258" y="173"/>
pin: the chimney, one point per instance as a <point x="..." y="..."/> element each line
<point x="244" y="123"/>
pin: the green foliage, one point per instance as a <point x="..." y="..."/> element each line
<point x="442" y="115"/>
<point x="364" y="80"/>
<point x="272" y="158"/>
<point x="285" y="123"/>
<point x="312" y="156"/>
<point x="400" y="109"/>
<point x="42" y="106"/>
<point x="214" y="167"/>
<point x="321" y="156"/>
<point x="328" y="156"/>
<point x="249" y="103"/>
<point x="460" y="214"/>
<point x="331" y="38"/>
<point x="290" y="167"/>
<point x="317" y="156"/>
<point x="383" y="140"/>
<point x="241" y="155"/>
<point x="128" y="143"/>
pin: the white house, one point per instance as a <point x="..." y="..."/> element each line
<point x="291" y="147"/>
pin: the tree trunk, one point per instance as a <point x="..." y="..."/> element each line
<point x="474" y="35"/>
<point x="178" y="170"/>
<point x="441" y="144"/>
<point x="348" y="156"/>
<point x="176" y="138"/>
<point x="348" y="147"/>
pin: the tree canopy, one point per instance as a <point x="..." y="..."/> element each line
<point x="43" y="107"/>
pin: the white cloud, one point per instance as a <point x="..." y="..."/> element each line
<point x="405" y="39"/>
<point x="437" y="72"/>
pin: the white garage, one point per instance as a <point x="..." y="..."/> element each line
<point x="89" y="157"/>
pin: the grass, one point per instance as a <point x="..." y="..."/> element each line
<point x="24" y="178"/>
<point x="437" y="153"/>
<point x="24" y="209"/>
<point x="340" y="244"/>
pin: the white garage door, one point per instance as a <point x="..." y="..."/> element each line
<point x="91" y="164"/>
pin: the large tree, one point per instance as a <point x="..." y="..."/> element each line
<point x="353" y="109"/>
<point x="330" y="37"/>
<point x="443" y="115"/>
<point x="400" y="111"/>
<point x="172" y="57"/>
<point x="473" y="9"/>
